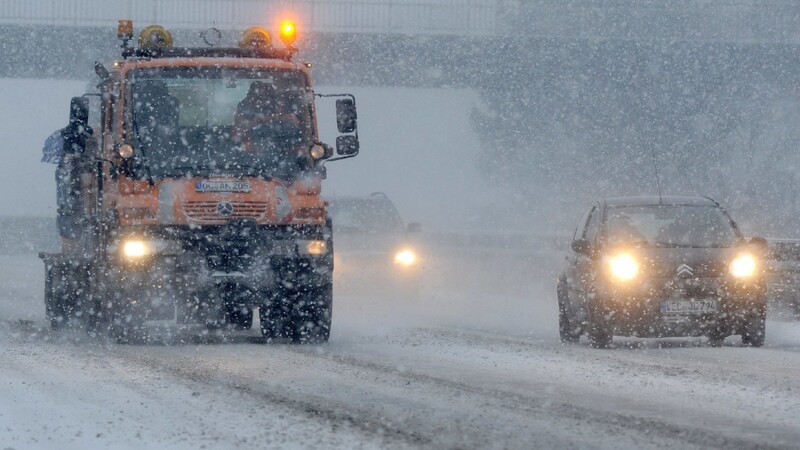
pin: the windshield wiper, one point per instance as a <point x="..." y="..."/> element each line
<point x="676" y="245"/>
<point x="237" y="169"/>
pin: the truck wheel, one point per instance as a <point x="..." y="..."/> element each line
<point x="59" y="296"/>
<point x="275" y="320"/>
<point x="53" y="304"/>
<point x="129" y="333"/>
<point x="127" y="319"/>
<point x="755" y="331"/>
<point x="566" y="330"/>
<point x="241" y="318"/>
<point x="312" y="317"/>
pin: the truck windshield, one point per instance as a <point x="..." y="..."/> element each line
<point x="670" y="226"/>
<point x="220" y="120"/>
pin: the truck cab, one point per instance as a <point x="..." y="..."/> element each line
<point x="199" y="194"/>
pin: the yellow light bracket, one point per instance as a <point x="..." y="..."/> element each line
<point x="288" y="33"/>
<point x="256" y="37"/>
<point x="125" y="29"/>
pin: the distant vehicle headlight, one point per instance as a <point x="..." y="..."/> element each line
<point x="624" y="267"/>
<point x="743" y="266"/>
<point x="405" y="257"/>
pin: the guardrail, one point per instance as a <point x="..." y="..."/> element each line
<point x="458" y="17"/>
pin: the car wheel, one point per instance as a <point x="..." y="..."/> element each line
<point x="755" y="331"/>
<point x="717" y="334"/>
<point x="599" y="335"/>
<point x="600" y="332"/>
<point x="566" y="330"/>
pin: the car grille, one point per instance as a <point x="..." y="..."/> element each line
<point x="207" y="211"/>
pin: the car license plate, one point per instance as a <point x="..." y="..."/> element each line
<point x="688" y="306"/>
<point x="223" y="186"/>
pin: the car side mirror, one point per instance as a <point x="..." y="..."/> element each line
<point x="760" y="244"/>
<point x="347" y="145"/>
<point x="414" y="227"/>
<point x="346" y="115"/>
<point x="581" y="246"/>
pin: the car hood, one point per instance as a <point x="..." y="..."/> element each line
<point x="346" y="241"/>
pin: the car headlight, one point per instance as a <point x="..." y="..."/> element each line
<point x="624" y="267"/>
<point x="405" y="257"/>
<point x="313" y="248"/>
<point x="743" y="266"/>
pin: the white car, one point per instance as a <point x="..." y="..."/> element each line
<point x="375" y="251"/>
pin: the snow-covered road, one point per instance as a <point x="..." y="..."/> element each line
<point x="391" y="377"/>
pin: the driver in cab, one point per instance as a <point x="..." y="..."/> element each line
<point x="264" y="122"/>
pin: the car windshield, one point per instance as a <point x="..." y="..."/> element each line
<point x="242" y="121"/>
<point x="365" y="216"/>
<point x="670" y="226"/>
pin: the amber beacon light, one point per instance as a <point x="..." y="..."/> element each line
<point x="288" y="32"/>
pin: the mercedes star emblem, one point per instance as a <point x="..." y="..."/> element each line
<point x="224" y="208"/>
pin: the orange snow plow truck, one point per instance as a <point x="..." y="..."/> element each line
<point x="190" y="192"/>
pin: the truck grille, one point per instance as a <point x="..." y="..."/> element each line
<point x="207" y="211"/>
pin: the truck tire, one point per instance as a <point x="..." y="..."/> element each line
<point x="127" y="320"/>
<point x="567" y="331"/>
<point x="54" y="294"/>
<point x="61" y="299"/>
<point x="240" y="318"/>
<point x="312" y="318"/>
<point x="275" y="320"/>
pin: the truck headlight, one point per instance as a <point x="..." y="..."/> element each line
<point x="405" y="258"/>
<point x="623" y="266"/>
<point x="135" y="249"/>
<point x="743" y="266"/>
<point x="313" y="248"/>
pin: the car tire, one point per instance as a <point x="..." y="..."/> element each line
<point x="599" y="336"/>
<point x="717" y="334"/>
<point x="716" y="340"/>
<point x="754" y="332"/>
<point x="566" y="330"/>
<point x="600" y="333"/>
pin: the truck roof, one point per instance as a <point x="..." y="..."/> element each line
<point x="209" y="52"/>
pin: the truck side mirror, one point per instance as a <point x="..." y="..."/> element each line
<point x="347" y="145"/>
<point x="79" y="111"/>
<point x="346" y="115"/>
